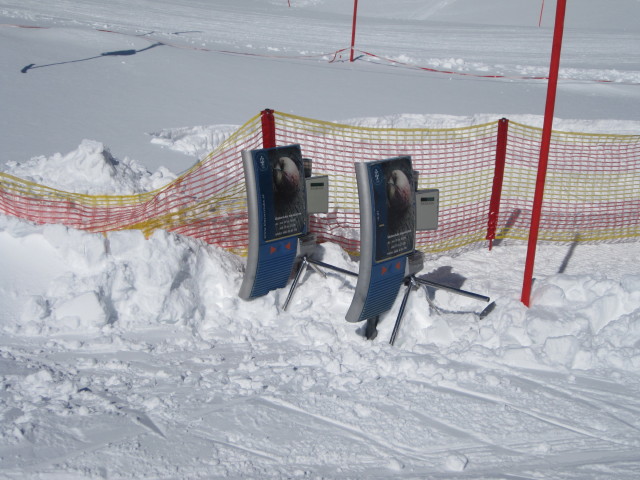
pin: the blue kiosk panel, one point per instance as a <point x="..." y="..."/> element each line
<point x="277" y="215"/>
<point x="387" y="234"/>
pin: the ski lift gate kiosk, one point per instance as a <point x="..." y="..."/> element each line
<point x="391" y="210"/>
<point x="281" y="193"/>
<point x="277" y="216"/>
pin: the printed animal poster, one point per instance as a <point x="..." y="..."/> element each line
<point x="392" y="185"/>
<point x="281" y="190"/>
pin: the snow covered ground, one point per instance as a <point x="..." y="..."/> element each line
<point x="126" y="357"/>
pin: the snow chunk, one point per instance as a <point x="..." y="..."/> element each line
<point x="562" y="350"/>
<point x="84" y="312"/>
<point x="456" y="462"/>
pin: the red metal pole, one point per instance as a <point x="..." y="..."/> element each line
<point x="353" y="28"/>
<point x="498" y="178"/>
<point x="268" y="129"/>
<point x="544" y="151"/>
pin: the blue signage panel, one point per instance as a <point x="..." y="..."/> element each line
<point x="277" y="215"/>
<point x="386" y="190"/>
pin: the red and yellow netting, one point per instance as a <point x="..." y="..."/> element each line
<point x="592" y="191"/>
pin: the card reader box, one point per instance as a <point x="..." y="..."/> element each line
<point x="317" y="194"/>
<point x="427" y="204"/>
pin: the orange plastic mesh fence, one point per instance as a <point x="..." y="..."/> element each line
<point x="592" y="191"/>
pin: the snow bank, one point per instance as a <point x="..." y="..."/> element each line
<point x="197" y="142"/>
<point x="90" y="169"/>
<point x="125" y="282"/>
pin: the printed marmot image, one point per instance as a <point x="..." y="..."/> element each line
<point x="398" y="191"/>
<point x="289" y="200"/>
<point x="286" y="177"/>
<point x="400" y="197"/>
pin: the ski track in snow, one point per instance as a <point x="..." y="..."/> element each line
<point x="446" y="47"/>
<point x="435" y="415"/>
<point x="262" y="397"/>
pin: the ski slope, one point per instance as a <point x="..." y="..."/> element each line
<point x="130" y="357"/>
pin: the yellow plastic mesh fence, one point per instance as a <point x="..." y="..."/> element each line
<point x="592" y="191"/>
<point x="459" y="162"/>
<point x="207" y="202"/>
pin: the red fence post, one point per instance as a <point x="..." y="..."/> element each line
<point x="544" y="152"/>
<point x="353" y="28"/>
<point x="498" y="178"/>
<point x="268" y="129"/>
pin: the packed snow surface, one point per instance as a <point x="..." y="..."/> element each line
<point x="130" y="357"/>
